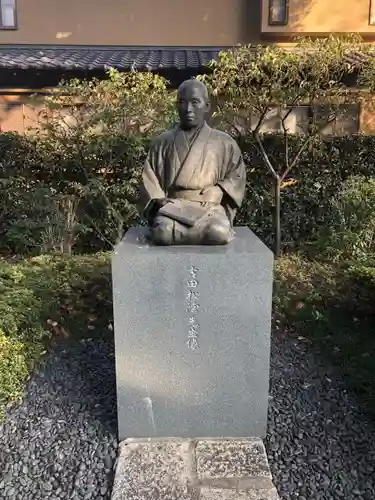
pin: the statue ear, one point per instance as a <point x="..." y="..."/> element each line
<point x="208" y="106"/>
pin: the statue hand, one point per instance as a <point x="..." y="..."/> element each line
<point x="213" y="194"/>
<point x="160" y="202"/>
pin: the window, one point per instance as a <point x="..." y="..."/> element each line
<point x="8" y="14"/>
<point x="372" y="13"/>
<point x="278" y="12"/>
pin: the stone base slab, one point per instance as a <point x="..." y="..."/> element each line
<point x="193" y="469"/>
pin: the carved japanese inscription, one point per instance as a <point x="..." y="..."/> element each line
<point x="192" y="306"/>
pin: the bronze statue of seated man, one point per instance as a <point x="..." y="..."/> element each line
<point x="194" y="178"/>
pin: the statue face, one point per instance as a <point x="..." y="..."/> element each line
<point x="192" y="106"/>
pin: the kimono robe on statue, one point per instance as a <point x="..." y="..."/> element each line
<point x="179" y="168"/>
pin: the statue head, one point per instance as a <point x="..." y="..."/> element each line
<point x="193" y="103"/>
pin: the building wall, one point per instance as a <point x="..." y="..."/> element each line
<point x="135" y="22"/>
<point x="322" y="17"/>
<point x="170" y="23"/>
<point x="11" y="113"/>
<point x="367" y="117"/>
<point x="178" y="22"/>
<point x="22" y="113"/>
<point x="19" y="113"/>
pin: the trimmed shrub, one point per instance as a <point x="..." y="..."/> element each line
<point x="13" y="370"/>
<point x="306" y="196"/>
<point x="44" y="297"/>
<point x="331" y="306"/>
<point x="351" y="232"/>
<point x="34" y="179"/>
<point x="47" y="200"/>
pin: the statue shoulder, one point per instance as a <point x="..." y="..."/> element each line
<point x="163" y="138"/>
<point x="225" y="138"/>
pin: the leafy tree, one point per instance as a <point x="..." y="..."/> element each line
<point x="249" y="84"/>
<point x="92" y="136"/>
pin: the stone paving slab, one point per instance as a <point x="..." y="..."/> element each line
<point x="219" y="494"/>
<point x="231" y="458"/>
<point x="149" y="470"/>
<point x="193" y="469"/>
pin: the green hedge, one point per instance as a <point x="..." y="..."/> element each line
<point x="47" y="296"/>
<point x="331" y="307"/>
<point x="104" y="178"/>
<point x="305" y="206"/>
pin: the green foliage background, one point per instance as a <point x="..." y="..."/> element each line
<point x="33" y="177"/>
<point x="48" y="297"/>
<point x="68" y="193"/>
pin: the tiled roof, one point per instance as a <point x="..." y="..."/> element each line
<point x="123" y="58"/>
<point x="97" y="58"/>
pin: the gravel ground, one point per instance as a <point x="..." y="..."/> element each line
<point x="320" y="445"/>
<point x="60" y="443"/>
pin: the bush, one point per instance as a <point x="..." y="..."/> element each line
<point x="351" y="232"/>
<point x="306" y="207"/>
<point x="48" y="202"/>
<point x="331" y="306"/>
<point x="33" y="178"/>
<point x="22" y="333"/>
<point x="48" y="297"/>
<point x="77" y="175"/>
<point x="76" y="292"/>
<point x="13" y="370"/>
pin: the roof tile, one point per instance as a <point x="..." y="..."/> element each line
<point x="70" y="58"/>
<point x="122" y="58"/>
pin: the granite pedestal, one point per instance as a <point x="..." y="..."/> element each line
<point x="192" y="337"/>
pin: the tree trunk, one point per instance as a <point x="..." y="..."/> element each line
<point x="120" y="231"/>
<point x="277" y="217"/>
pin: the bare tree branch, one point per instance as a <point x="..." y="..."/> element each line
<point x="265" y="157"/>
<point x="259" y="124"/>
<point x="303" y="147"/>
<point x="292" y="107"/>
<point x="98" y="230"/>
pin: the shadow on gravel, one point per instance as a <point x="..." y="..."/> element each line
<point x="321" y="440"/>
<point x="92" y="369"/>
